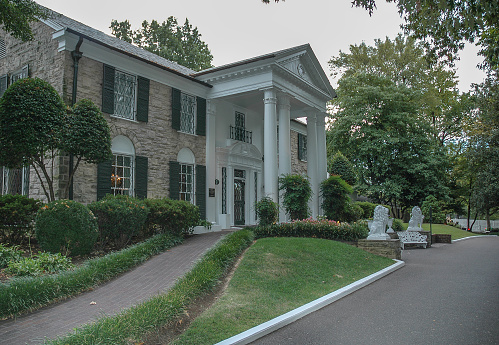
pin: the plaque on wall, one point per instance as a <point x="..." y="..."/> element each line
<point x="211" y="192"/>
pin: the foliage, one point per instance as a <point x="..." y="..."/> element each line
<point x="438" y="210"/>
<point x="352" y="213"/>
<point x="181" y="44"/>
<point x="120" y="218"/>
<point x="341" y="166"/>
<point x="8" y="254"/>
<point x="398" y="225"/>
<point x="267" y="211"/>
<point x="367" y="208"/>
<point x="87" y="136"/>
<point x="297" y="193"/>
<point x="31" y="123"/>
<point x="22" y="294"/>
<point x="16" y="16"/>
<point x="133" y="323"/>
<point x="41" y="264"/>
<point x="377" y="127"/>
<point x="17" y="215"/>
<point x="326" y="229"/>
<point x="176" y="217"/>
<point x="66" y="227"/>
<point x="335" y="199"/>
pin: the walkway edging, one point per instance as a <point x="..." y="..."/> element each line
<point x="285" y="319"/>
<point x="476" y="236"/>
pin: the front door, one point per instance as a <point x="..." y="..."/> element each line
<point x="239" y="197"/>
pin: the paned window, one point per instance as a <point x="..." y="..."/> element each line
<point x="302" y="147"/>
<point x="20" y="74"/>
<point x="125" y="86"/>
<point x="186" y="183"/>
<point x="188" y="113"/>
<point x="3" y="50"/>
<point x="14" y="181"/>
<point x="122" y="175"/>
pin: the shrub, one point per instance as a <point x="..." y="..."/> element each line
<point x="267" y="211"/>
<point x="176" y="217"/>
<point x="42" y="263"/>
<point x="297" y="193"/>
<point x="341" y="166"/>
<point x="335" y="198"/>
<point x="67" y="227"/>
<point x="326" y="229"/>
<point x="8" y="254"/>
<point x="352" y="213"/>
<point x="367" y="208"/>
<point x="120" y="218"/>
<point x="17" y="215"/>
<point x="398" y="225"/>
<point x="437" y="210"/>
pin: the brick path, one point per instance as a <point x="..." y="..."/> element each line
<point x="146" y="280"/>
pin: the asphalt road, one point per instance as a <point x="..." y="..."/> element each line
<point x="446" y="294"/>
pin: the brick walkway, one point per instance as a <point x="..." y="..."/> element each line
<point x="146" y="280"/>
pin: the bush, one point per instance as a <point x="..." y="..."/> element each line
<point x="335" y="199"/>
<point x="437" y="210"/>
<point x="8" y="254"/>
<point x="352" y="213"/>
<point x="42" y="263"/>
<point x="17" y="215"/>
<point x="367" y="208"/>
<point x="398" y="225"/>
<point x="267" y="211"/>
<point x="66" y="227"/>
<point x="120" y="218"/>
<point x="297" y="193"/>
<point x="326" y="229"/>
<point x="341" y="166"/>
<point x="176" y="217"/>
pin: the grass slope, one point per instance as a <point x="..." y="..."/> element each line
<point x="446" y="229"/>
<point x="277" y="275"/>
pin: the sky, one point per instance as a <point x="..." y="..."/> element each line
<point x="235" y="30"/>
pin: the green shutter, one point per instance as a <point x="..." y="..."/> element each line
<point x="201" y="190"/>
<point x="300" y="152"/>
<point x="108" y="90"/>
<point x="142" y="99"/>
<point x="201" y="116"/>
<point x="174" y="180"/>
<point x="141" y="167"/>
<point x="3" y="83"/>
<point x="103" y="179"/>
<point x="176" y="109"/>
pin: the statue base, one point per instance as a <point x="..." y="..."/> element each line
<point x="378" y="237"/>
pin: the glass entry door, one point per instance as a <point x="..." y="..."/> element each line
<point x="239" y="197"/>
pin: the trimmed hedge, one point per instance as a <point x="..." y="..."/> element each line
<point x="326" y="229"/>
<point x="132" y="324"/>
<point x="27" y="293"/>
<point x="176" y="217"/>
<point x="17" y="215"/>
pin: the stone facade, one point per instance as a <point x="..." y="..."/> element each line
<point x="297" y="166"/>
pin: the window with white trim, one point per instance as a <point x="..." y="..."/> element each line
<point x="302" y="147"/>
<point x="122" y="175"/>
<point x="188" y="113"/>
<point x="125" y="89"/>
<point x="186" y="182"/>
<point x="14" y="181"/>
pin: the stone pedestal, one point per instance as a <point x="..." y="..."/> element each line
<point x="387" y="248"/>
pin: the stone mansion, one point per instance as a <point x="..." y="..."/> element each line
<point x="219" y="138"/>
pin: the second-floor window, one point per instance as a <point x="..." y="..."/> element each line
<point x="125" y="86"/>
<point x="188" y="114"/>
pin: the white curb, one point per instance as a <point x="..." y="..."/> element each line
<point x="285" y="319"/>
<point x="465" y="238"/>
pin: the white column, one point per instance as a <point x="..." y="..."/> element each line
<point x="312" y="162"/>
<point x="321" y="153"/>
<point x="284" y="109"/>
<point x="211" y="164"/>
<point x="270" y="145"/>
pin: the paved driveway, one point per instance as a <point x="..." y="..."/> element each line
<point x="447" y="294"/>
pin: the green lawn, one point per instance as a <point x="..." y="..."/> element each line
<point x="446" y="229"/>
<point x="277" y="275"/>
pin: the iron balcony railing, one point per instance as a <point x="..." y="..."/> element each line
<point x="241" y="134"/>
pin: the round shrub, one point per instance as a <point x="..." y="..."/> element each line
<point x="267" y="211"/>
<point x="67" y="227"/>
<point x="120" y="218"/>
<point x="397" y="225"/>
<point x="17" y="215"/>
<point x="176" y="217"/>
<point x="335" y="198"/>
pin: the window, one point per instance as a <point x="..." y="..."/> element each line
<point x="122" y="175"/>
<point x="124" y="95"/>
<point x="3" y="50"/>
<point x="20" y="74"/>
<point x="186" y="183"/>
<point x="14" y="181"/>
<point x="302" y="147"/>
<point x="188" y="113"/>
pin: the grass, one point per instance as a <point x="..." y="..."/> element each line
<point x="275" y="276"/>
<point x="446" y="229"/>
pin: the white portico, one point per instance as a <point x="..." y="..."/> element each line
<point x="251" y="109"/>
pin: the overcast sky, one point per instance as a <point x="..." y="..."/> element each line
<point x="239" y="29"/>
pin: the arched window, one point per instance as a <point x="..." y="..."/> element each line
<point x="122" y="166"/>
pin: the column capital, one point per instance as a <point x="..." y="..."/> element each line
<point x="211" y="107"/>
<point x="269" y="96"/>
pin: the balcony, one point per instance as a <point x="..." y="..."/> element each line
<point x="241" y="134"/>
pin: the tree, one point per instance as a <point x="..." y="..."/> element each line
<point x="297" y="193"/>
<point x="34" y="130"/>
<point x="445" y="25"/>
<point x="16" y="16"/>
<point x="341" y="166"/>
<point x="378" y="129"/>
<point x="181" y="44"/>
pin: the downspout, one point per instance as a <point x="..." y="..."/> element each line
<point x="76" y="55"/>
